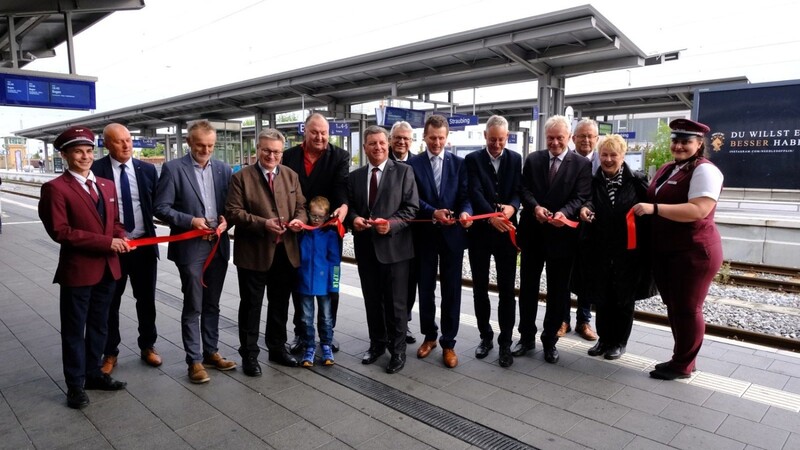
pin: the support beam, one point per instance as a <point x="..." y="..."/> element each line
<point x="70" y="44"/>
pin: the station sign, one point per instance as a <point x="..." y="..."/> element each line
<point x="138" y="142"/>
<point x="46" y="92"/>
<point x="627" y="134"/>
<point x="512" y="138"/>
<point x="334" y="129"/>
<point x="458" y="122"/>
<point x="391" y="115"/>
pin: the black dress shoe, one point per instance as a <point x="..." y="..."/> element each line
<point x="665" y="365"/>
<point x="483" y="348"/>
<point x="615" y="352"/>
<point x="334" y="345"/>
<point x="296" y="347"/>
<point x="523" y="347"/>
<point x="251" y="367"/>
<point x="397" y="363"/>
<point x="667" y="374"/>
<point x="282" y="357"/>
<point x="599" y="349"/>
<point x="103" y="382"/>
<point x="506" y="359"/>
<point x="410" y="339"/>
<point x="77" y="398"/>
<point x="372" y="355"/>
<point x="551" y="355"/>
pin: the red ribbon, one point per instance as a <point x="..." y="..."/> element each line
<point x="191" y="234"/>
<point x="333" y="222"/>
<point x="630" y="222"/>
<point x="563" y="219"/>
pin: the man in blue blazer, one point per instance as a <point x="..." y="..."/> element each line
<point x="135" y="193"/>
<point x="555" y="184"/>
<point x="442" y="185"/>
<point x="494" y="177"/>
<point x="191" y="195"/>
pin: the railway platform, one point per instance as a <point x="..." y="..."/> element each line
<point x="743" y="395"/>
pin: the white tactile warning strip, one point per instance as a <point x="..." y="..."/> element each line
<point x="718" y="383"/>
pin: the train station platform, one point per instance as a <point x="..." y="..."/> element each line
<point x="743" y="396"/>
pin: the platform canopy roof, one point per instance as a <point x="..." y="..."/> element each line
<point x="40" y="26"/>
<point x="561" y="44"/>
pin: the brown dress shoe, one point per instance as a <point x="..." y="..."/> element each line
<point x="585" y="331"/>
<point x="198" y="374"/>
<point x="425" y="349"/>
<point x="565" y="328"/>
<point x="218" y="362"/>
<point x="449" y="357"/>
<point x="151" y="357"/>
<point x="109" y="362"/>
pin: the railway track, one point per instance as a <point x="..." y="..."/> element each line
<point x="782" y="279"/>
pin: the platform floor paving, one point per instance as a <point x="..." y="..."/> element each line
<point x="742" y="397"/>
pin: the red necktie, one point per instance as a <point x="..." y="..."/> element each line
<point x="373" y="187"/>
<point x="554" y="168"/>
<point x="269" y="179"/>
<point x="92" y="192"/>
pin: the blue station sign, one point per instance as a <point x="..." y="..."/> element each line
<point x="335" y="128"/>
<point x="138" y="142"/>
<point x="46" y="92"/>
<point x="627" y="134"/>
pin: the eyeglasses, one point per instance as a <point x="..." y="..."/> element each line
<point x="316" y="218"/>
<point x="275" y="154"/>
<point x="585" y="136"/>
<point x="400" y="138"/>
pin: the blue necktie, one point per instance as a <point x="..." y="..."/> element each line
<point x="127" y="202"/>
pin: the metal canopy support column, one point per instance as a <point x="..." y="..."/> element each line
<point x="70" y="45"/>
<point x="258" y="118"/>
<point x="362" y="125"/>
<point x="12" y="42"/>
<point x="551" y="102"/>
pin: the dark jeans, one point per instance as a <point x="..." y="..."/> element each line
<point x="583" y="313"/>
<point x="324" y="320"/>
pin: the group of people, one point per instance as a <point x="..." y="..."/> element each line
<point x="411" y="217"/>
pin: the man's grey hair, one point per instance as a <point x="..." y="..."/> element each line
<point x="271" y="134"/>
<point x="556" y="120"/>
<point x="402" y="125"/>
<point x="497" y="121"/>
<point x="375" y="129"/>
<point x="587" y="122"/>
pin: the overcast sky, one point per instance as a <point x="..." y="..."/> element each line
<point x="172" y="47"/>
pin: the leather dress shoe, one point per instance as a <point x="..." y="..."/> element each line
<point x="449" y="357"/>
<point x="565" y="328"/>
<point x="599" y="349"/>
<point x="109" y="362"/>
<point x="372" y="355"/>
<point x="296" y="347"/>
<point x="615" y="352"/>
<point x="151" y="357"/>
<point x="585" y="331"/>
<point x="251" y="367"/>
<point x="506" y="359"/>
<point x="551" y="355"/>
<point x="410" y="339"/>
<point x="523" y="347"/>
<point x="483" y="348"/>
<point x="397" y="363"/>
<point x="425" y="349"/>
<point x="334" y="345"/>
<point x="282" y="357"/>
<point x="77" y="398"/>
<point x="667" y="373"/>
<point x="198" y="374"/>
<point x="104" y="382"/>
<point x="216" y="361"/>
<point x="665" y="365"/>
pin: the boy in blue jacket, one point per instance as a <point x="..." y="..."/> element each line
<point x="318" y="274"/>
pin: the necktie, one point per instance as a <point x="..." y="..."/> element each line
<point x="92" y="192"/>
<point x="554" y="163"/>
<point x="127" y="202"/>
<point x="373" y="187"/>
<point x="436" y="164"/>
<point x="270" y="175"/>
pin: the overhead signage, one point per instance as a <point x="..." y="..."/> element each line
<point x="627" y="134"/>
<point x="415" y="117"/>
<point x="138" y="142"/>
<point x="335" y="129"/>
<point x="512" y="138"/>
<point x="46" y="92"/>
<point x="458" y="122"/>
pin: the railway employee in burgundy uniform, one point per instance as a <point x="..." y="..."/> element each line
<point x="79" y="211"/>
<point x="687" y="248"/>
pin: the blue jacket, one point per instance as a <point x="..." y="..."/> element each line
<point x="320" y="261"/>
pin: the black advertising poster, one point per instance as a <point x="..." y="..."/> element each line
<point x="755" y="133"/>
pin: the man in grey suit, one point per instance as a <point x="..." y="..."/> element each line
<point x="382" y="196"/>
<point x="191" y="196"/>
<point x="135" y="182"/>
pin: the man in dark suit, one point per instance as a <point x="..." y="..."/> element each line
<point x="322" y="169"/>
<point x="191" y="196"/>
<point x="79" y="211"/>
<point x="494" y="175"/>
<point x="443" y="195"/>
<point x="263" y="200"/>
<point x="135" y="193"/>
<point x="555" y="184"/>
<point x="382" y="197"/>
<point x="400" y="138"/>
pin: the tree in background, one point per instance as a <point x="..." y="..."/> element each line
<point x="658" y="154"/>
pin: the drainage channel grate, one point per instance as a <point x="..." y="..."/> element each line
<point x="434" y="416"/>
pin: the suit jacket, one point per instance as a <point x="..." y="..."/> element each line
<point x="487" y="188"/>
<point x="250" y="203"/>
<point x="71" y="219"/>
<point x="571" y="188"/>
<point x="329" y="176"/>
<point x="396" y="200"/>
<point x="179" y="199"/>
<point x="453" y="195"/>
<point x="146" y="181"/>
